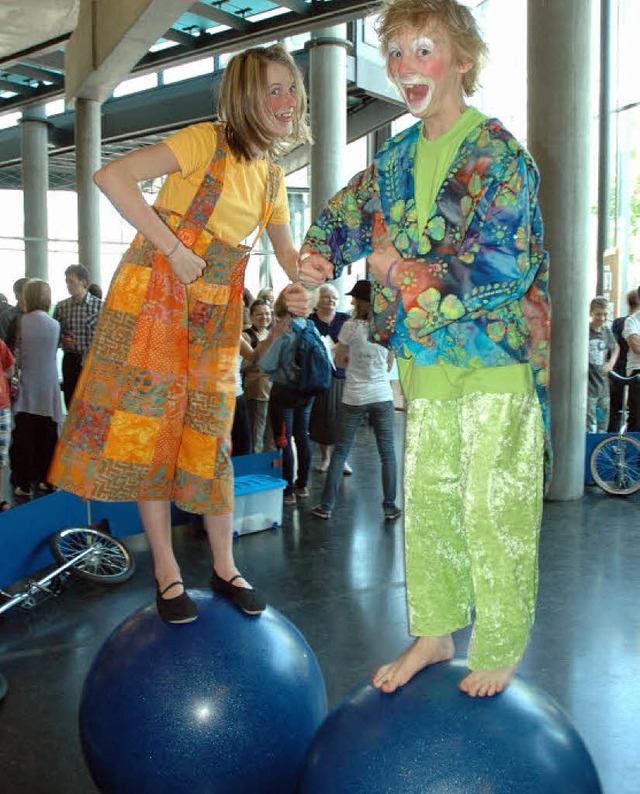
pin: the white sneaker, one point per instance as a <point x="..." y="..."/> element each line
<point x="18" y="491"/>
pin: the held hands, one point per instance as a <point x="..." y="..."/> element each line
<point x="300" y="301"/>
<point x="313" y="268"/>
<point x="186" y="265"/>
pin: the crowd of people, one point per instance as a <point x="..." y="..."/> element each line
<point x="30" y="392"/>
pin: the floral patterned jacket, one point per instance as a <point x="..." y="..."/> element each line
<point x="472" y="283"/>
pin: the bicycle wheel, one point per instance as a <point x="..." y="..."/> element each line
<point x="109" y="561"/>
<point x="615" y="465"/>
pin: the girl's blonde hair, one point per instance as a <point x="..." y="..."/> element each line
<point x="36" y="295"/>
<point x="454" y="19"/>
<point x="242" y="103"/>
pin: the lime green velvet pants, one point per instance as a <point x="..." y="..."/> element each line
<point x="473" y="485"/>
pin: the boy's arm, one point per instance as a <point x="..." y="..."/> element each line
<point x="613" y="357"/>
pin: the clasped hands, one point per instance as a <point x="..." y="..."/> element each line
<point x="314" y="269"/>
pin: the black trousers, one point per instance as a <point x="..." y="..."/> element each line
<point x="71" y="369"/>
<point x="633" y="425"/>
<point x="32" y="444"/>
<point x="241" y="436"/>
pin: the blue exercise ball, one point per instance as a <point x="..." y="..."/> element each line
<point x="225" y="704"/>
<point x="430" y="738"/>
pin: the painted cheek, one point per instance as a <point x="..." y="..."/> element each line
<point x="434" y="68"/>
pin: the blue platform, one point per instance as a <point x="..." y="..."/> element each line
<point x="25" y="530"/>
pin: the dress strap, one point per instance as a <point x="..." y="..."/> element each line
<point x="204" y="202"/>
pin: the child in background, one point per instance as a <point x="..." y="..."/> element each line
<point x="603" y="352"/>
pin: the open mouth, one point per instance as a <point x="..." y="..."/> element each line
<point x="416" y="95"/>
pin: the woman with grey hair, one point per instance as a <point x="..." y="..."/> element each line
<point x="325" y="414"/>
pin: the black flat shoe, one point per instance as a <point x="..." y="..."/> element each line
<point x="180" y="609"/>
<point x="244" y="598"/>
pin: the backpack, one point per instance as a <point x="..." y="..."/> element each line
<point x="310" y="370"/>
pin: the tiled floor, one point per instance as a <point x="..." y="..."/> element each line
<point x="341" y="583"/>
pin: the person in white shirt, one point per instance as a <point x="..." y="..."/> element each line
<point x="631" y="332"/>
<point x="367" y="390"/>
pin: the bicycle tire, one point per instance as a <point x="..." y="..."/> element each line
<point x="112" y="562"/>
<point x="615" y="465"/>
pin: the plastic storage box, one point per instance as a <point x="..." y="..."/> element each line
<point x="257" y="503"/>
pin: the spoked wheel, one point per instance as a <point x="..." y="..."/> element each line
<point x="615" y="465"/>
<point x="106" y="561"/>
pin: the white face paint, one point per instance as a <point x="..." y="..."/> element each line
<point x="423" y="66"/>
<point x="415" y="86"/>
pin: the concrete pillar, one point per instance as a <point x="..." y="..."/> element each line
<point x="328" y="114"/>
<point x="35" y="184"/>
<point x="88" y="160"/>
<point x="559" y="129"/>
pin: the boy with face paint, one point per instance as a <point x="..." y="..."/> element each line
<point x="448" y="217"/>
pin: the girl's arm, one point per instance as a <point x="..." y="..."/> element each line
<point x="119" y="180"/>
<point x="284" y="249"/>
<point x="390" y="359"/>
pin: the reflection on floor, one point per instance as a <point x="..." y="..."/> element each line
<point x="341" y="583"/>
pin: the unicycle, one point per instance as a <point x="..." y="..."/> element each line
<point x="615" y="461"/>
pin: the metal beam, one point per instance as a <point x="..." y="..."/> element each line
<point x="33" y="73"/>
<point x="320" y="15"/>
<point x="295" y="5"/>
<point x="179" y="36"/>
<point x="220" y="17"/>
<point x="18" y="88"/>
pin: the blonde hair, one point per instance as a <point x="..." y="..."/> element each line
<point x="243" y="98"/>
<point x="454" y="19"/>
<point x="36" y="295"/>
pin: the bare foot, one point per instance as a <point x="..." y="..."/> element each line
<point x="487" y="683"/>
<point x="421" y="653"/>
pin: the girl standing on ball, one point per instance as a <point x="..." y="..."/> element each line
<point x="152" y="414"/>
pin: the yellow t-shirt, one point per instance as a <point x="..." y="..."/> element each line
<point x="240" y="207"/>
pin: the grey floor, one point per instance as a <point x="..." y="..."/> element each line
<point x="341" y="583"/>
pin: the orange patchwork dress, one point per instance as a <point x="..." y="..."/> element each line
<point x="152" y="413"/>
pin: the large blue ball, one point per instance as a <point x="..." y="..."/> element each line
<point x="225" y="704"/>
<point x="430" y="738"/>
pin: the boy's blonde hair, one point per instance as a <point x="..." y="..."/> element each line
<point x="242" y="103"/>
<point x="454" y="19"/>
